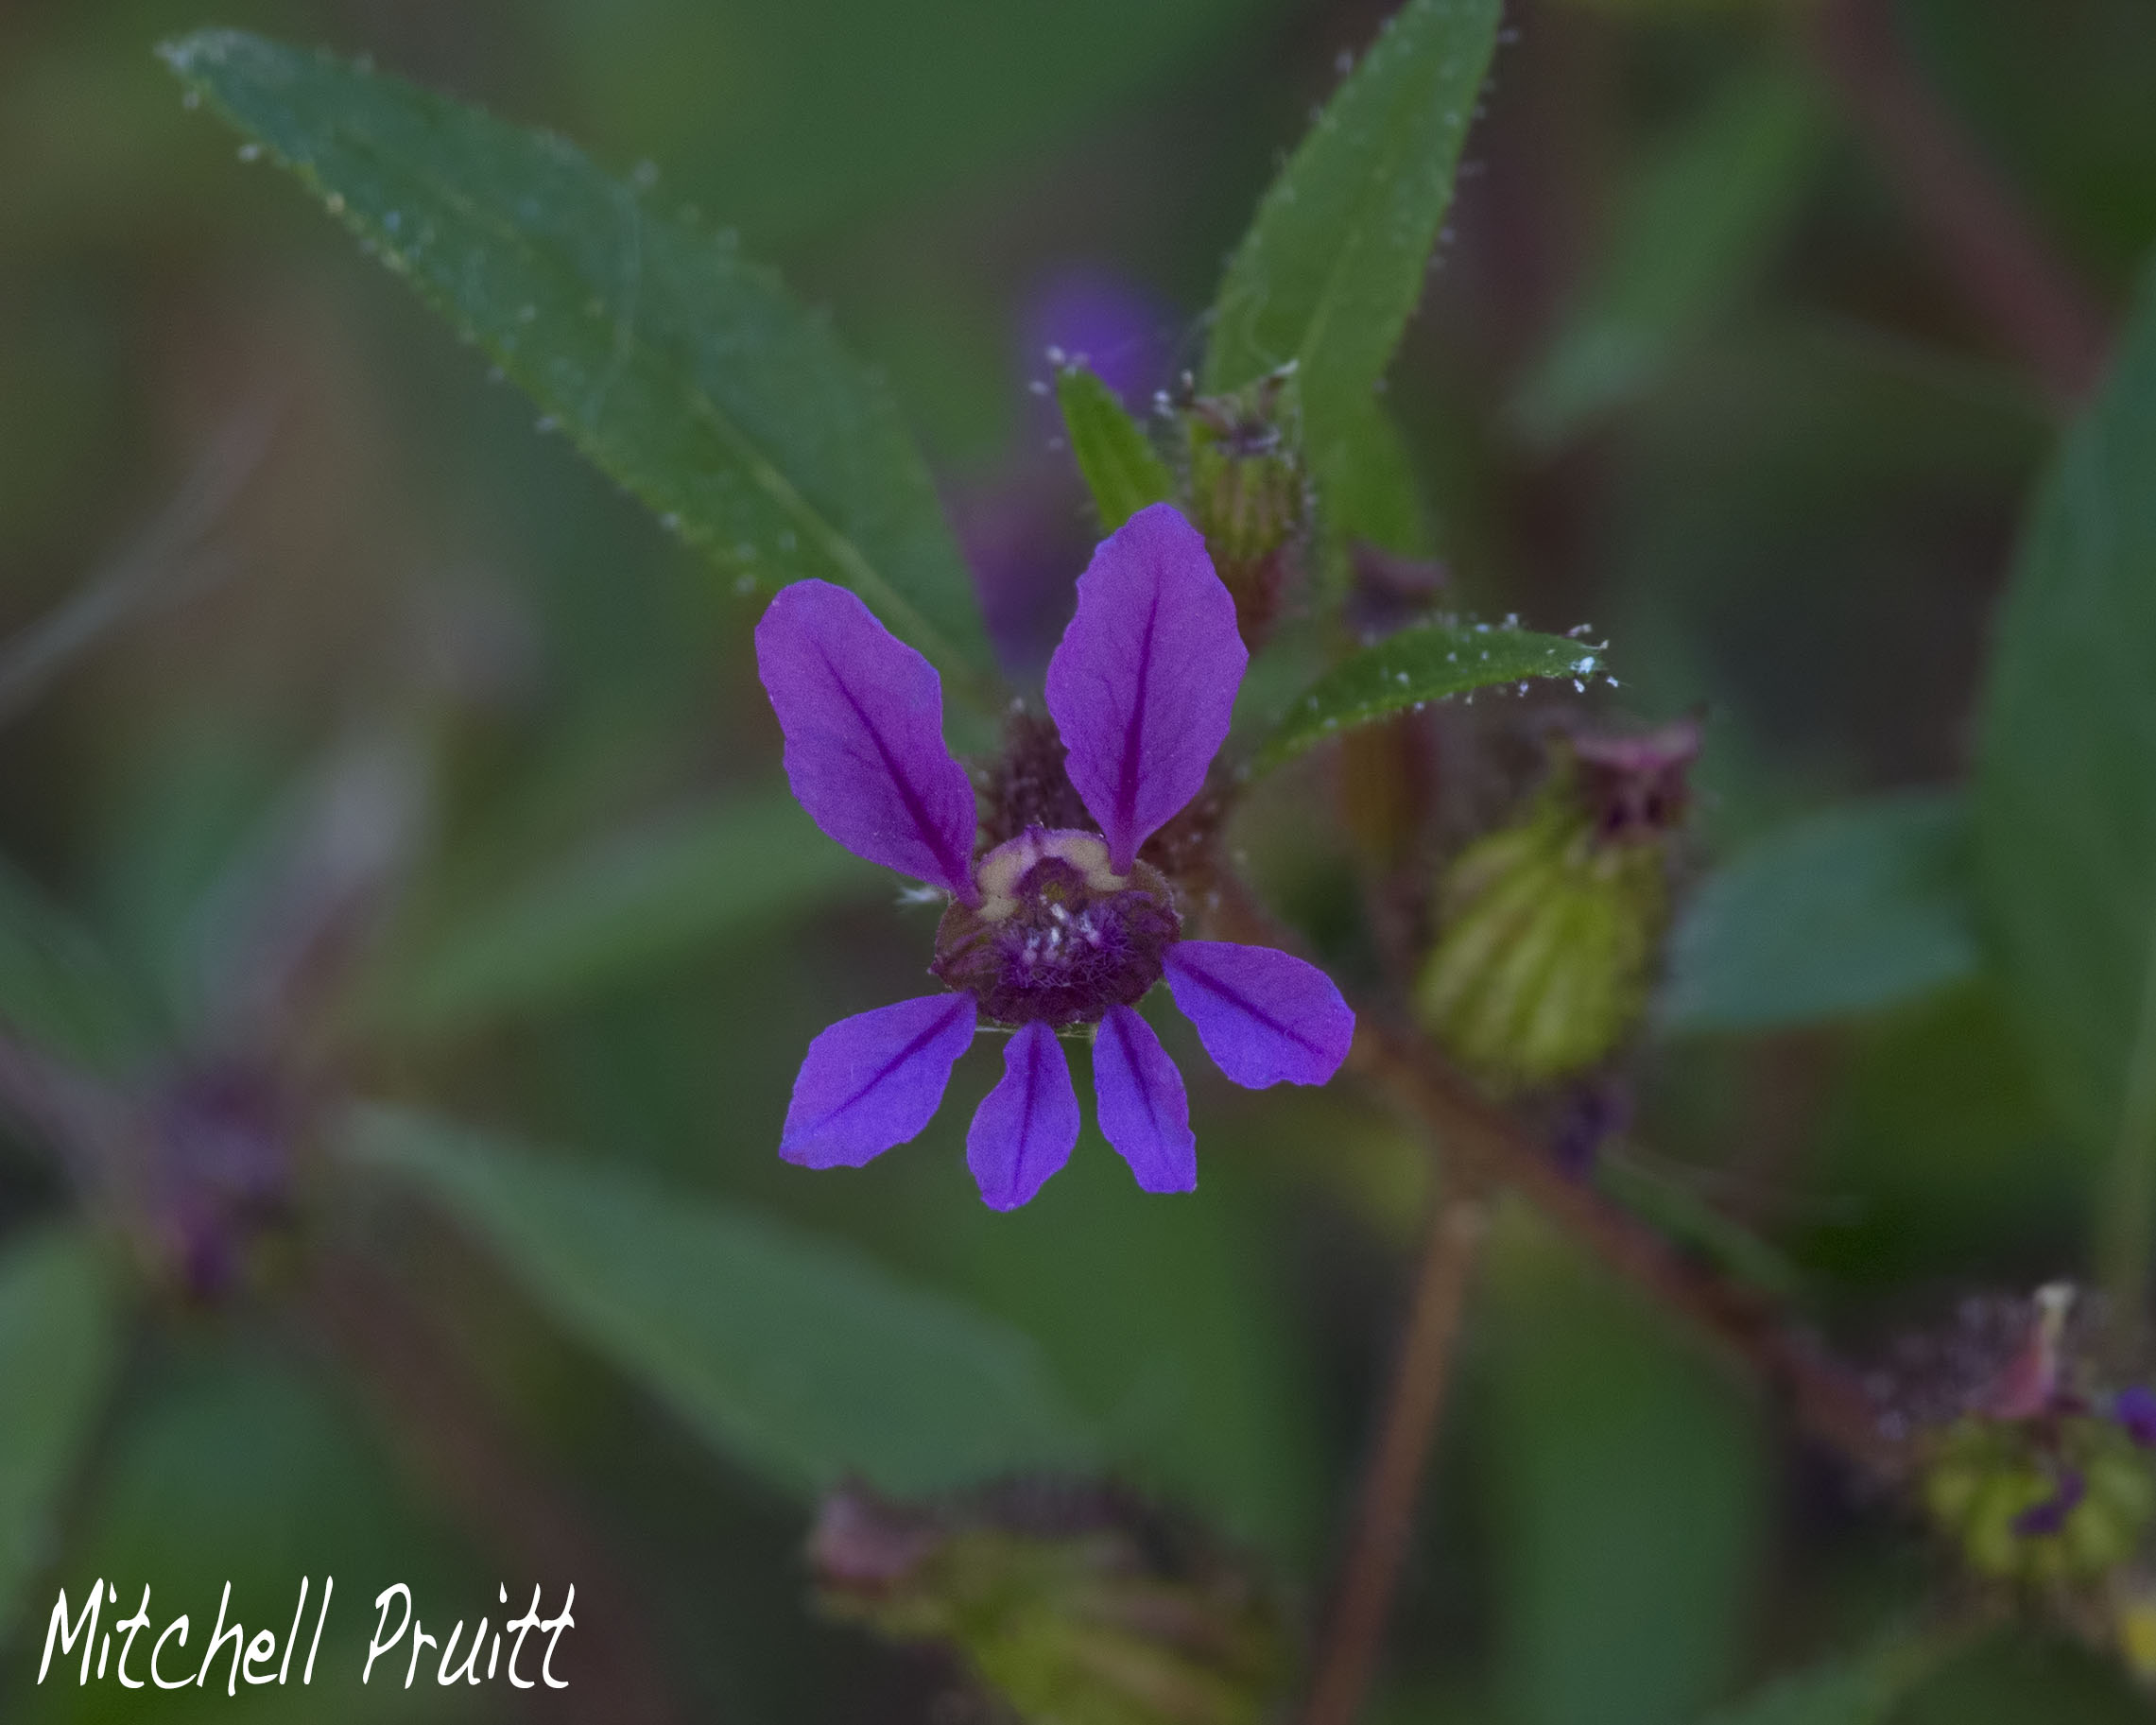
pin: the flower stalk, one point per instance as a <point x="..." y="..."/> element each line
<point x="1384" y="1510"/>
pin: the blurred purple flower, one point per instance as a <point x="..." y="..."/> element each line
<point x="1100" y="318"/>
<point x="1021" y="533"/>
<point x="2135" y="1409"/>
<point x="1058" y="926"/>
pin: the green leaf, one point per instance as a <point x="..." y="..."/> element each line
<point x="638" y="901"/>
<point x="799" y="1359"/>
<point x="1851" y="912"/>
<point x="1371" y="494"/>
<point x="1858" y="1689"/>
<point x="2065" y="805"/>
<point x="58" y="985"/>
<point x="233" y="1462"/>
<point x="59" y="1347"/>
<point x="1418" y="664"/>
<point x="1692" y="231"/>
<point x="1122" y="468"/>
<point x="1334" y="264"/>
<point x="801" y="119"/>
<point x="1630" y="1502"/>
<point x="681" y="369"/>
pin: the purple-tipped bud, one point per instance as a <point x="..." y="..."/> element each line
<point x="1549" y="925"/>
<point x="1636" y="788"/>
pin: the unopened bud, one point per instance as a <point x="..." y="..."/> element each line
<point x="1250" y="496"/>
<point x="2065" y="1500"/>
<point x="1547" y="927"/>
<point x="1081" y="1613"/>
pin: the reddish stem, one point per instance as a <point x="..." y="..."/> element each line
<point x="1385" y="1515"/>
<point x="1999" y="261"/>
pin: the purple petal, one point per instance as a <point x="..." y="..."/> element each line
<point x="1025" y="1128"/>
<point x="863" y="714"/>
<point x="873" y="1081"/>
<point x="1143" y="681"/>
<point x="1144" y="1113"/>
<point x="2135" y="1409"/>
<point x="1263" y="1015"/>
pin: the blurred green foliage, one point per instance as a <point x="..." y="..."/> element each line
<point x="1775" y="459"/>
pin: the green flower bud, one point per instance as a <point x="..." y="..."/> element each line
<point x="1074" y="1619"/>
<point x="1250" y="496"/>
<point x="1547" y="928"/>
<point x="2047" y="1502"/>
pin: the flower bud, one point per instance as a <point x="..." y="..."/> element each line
<point x="2055" y="1501"/>
<point x="1250" y="496"/>
<point x="1075" y="1608"/>
<point x="1547" y="928"/>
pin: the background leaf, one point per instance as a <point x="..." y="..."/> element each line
<point x="1858" y="1689"/>
<point x="1690" y="232"/>
<point x="1629" y="1498"/>
<point x="242" y="1467"/>
<point x="1857" y="909"/>
<point x="682" y="370"/>
<point x="1333" y="263"/>
<point x="798" y="1358"/>
<point x="57" y="987"/>
<point x="2066" y="781"/>
<point x="1122" y="468"/>
<point x="637" y="902"/>
<point x="1425" y="663"/>
<point x="59" y="1347"/>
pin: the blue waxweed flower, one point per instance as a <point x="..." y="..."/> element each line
<point x="1057" y="927"/>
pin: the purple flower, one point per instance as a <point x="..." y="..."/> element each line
<point x="1061" y="926"/>
<point x="2135" y="1409"/>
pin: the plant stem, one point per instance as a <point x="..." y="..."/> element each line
<point x="1825" y="1397"/>
<point x="1385" y="1516"/>
<point x="1999" y="261"/>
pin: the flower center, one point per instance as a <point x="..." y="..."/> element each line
<point x="1059" y="935"/>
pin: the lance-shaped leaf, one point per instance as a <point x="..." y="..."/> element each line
<point x="799" y="1358"/>
<point x="1692" y="229"/>
<point x="634" y="904"/>
<point x="60" y="1337"/>
<point x="1419" y="664"/>
<point x="678" y="366"/>
<point x="1854" y="910"/>
<point x="1334" y="264"/>
<point x="1122" y="468"/>
<point x="2065" y="802"/>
